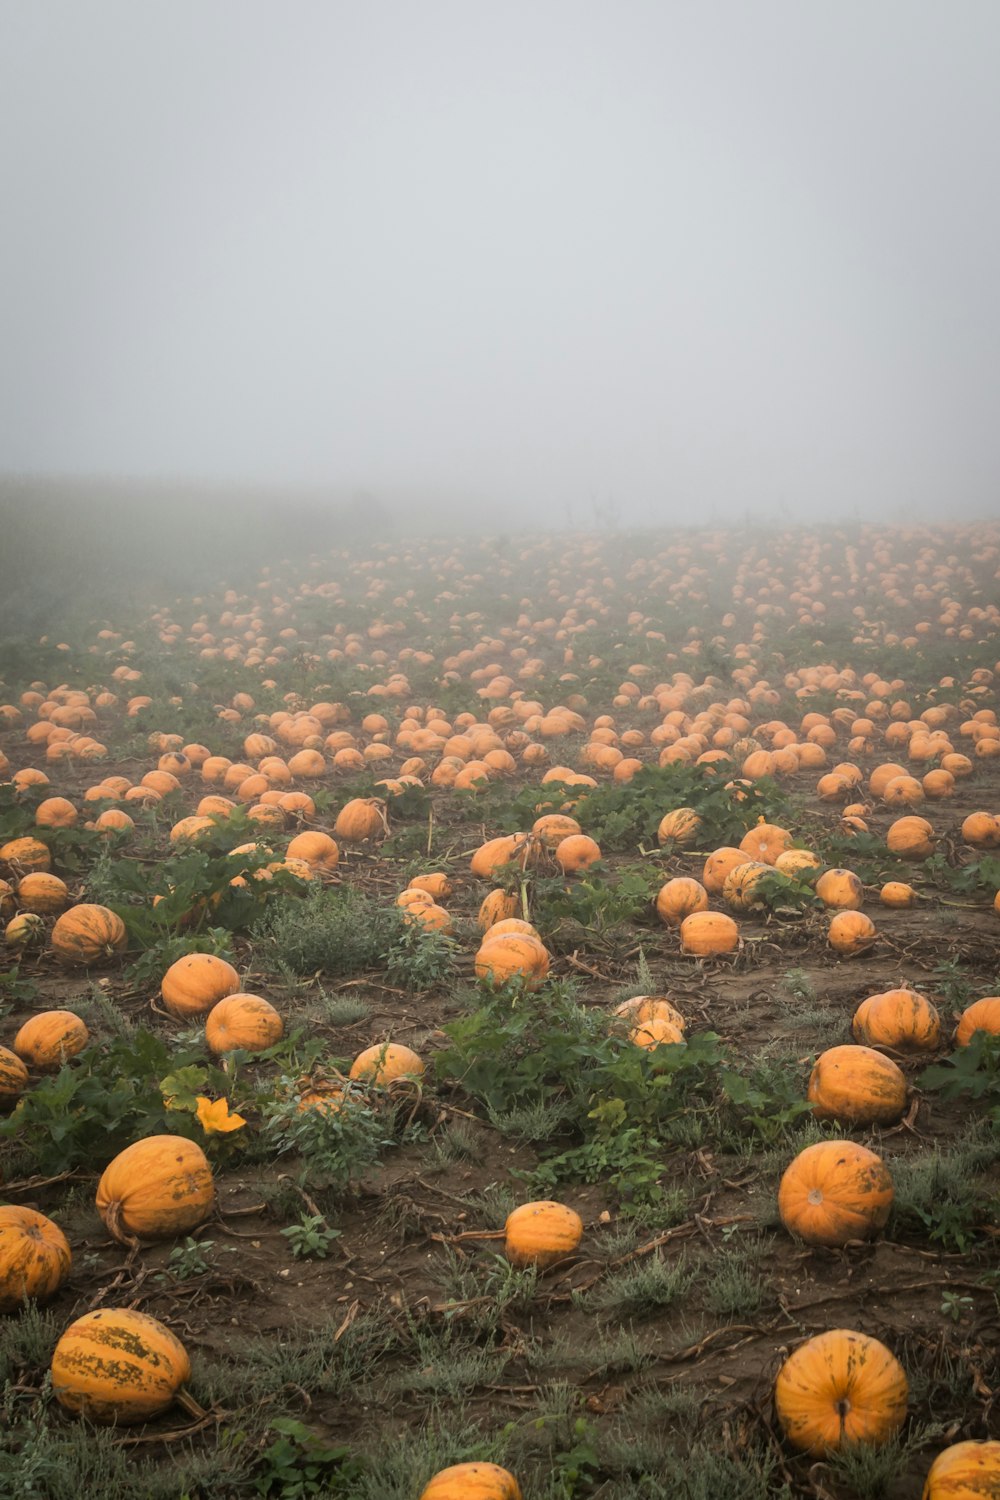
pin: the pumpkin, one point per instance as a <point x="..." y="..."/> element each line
<point x="48" y="1039"/>
<point x="897" y="894"/>
<point x="705" y="933"/>
<point x="473" y="1481"/>
<point x="116" y="1365"/>
<point x="512" y="956"/>
<point x="679" y="898"/>
<point x="87" y="934"/>
<point x="833" y="1192"/>
<point x="841" y="889"/>
<point x="437" y="885"/>
<point x="738" y="892"/>
<point x="385" y="1061"/>
<point x="494" y="908"/>
<point x="42" y="893"/>
<point x="577" y="852"/>
<point x="965" y="1471"/>
<point x="316" y="848"/>
<point x="56" y="812"/>
<point x="25" y="855"/>
<point x="551" y="828"/>
<point x="803" y="864"/>
<point x="13" y="1077"/>
<point x="361" y="819"/>
<point x="981" y="1015"/>
<point x="910" y="838"/>
<point x="8" y="905"/>
<point x="413" y="897"/>
<point x="980" y="829"/>
<point x="242" y="1022"/>
<point x="680" y="827"/>
<point x="429" y="915"/>
<point x="26" y="930"/>
<point x="765" y="842"/>
<point x="900" y="1019"/>
<point x="840" y="1388"/>
<point x="642" y="1008"/>
<point x="196" y="982"/>
<point x="538" y="1234"/>
<point x="856" y="1085"/>
<point x="718" y="865"/>
<point x="34" y="1257"/>
<point x="851" y="932"/>
<point x="157" y="1187"/>
<point x="496" y="853"/>
<point x="659" y="1031"/>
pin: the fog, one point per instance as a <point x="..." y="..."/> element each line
<point x="545" y="263"/>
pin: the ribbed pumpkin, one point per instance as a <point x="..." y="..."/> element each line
<point x="679" y="898"/>
<point x="155" y="1188"/>
<point x="473" y="1481"/>
<point x="512" y="956"/>
<point x="88" y="934"/>
<point x="577" y="852"/>
<point x="538" y="1234"/>
<point x="34" y="1257"/>
<point x="739" y="890"/>
<point x="42" y="893"/>
<point x="680" y="827"/>
<point x="705" y="933"/>
<point x="765" y="841"/>
<point x="858" y="1086"/>
<point x="900" y="1019"/>
<point x="26" y="930"/>
<point x="385" y="1061"/>
<point x="833" y="1192"/>
<point x="840" y="1388"/>
<point x="316" y="848"/>
<point x="981" y="1015"/>
<point x="13" y="1077"/>
<point x="965" y="1471"/>
<point x="116" y="1365"/>
<point x="841" y="889"/>
<point x="850" y="932"/>
<point x="48" y="1039"/>
<point x="361" y="819"/>
<point x="659" y="1031"/>
<point x="718" y="865"/>
<point x="497" y="905"/>
<point x="496" y="853"/>
<point x="8" y="905"/>
<point x="196" y="982"/>
<point x="551" y="828"/>
<point x="897" y="894"/>
<point x="642" y="1008"/>
<point x="910" y="838"/>
<point x="24" y="855"/>
<point x="247" y="1023"/>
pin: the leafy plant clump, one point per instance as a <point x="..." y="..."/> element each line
<point x="339" y="933"/>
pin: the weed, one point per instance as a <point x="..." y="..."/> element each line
<point x="190" y="1258"/>
<point x="298" y="1464"/>
<point x="798" y="984"/>
<point x="643" y="1287"/>
<point x="420" y="959"/>
<point x="766" y="1099"/>
<point x="938" y="1192"/>
<point x="340" y="932"/>
<point x="870" y="1470"/>
<point x="734" y="1287"/>
<point x="311" y="1236"/>
<point x="344" y="1010"/>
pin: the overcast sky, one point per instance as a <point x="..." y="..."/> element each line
<point x="681" y="257"/>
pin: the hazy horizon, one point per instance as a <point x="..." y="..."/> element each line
<point x="558" y="262"/>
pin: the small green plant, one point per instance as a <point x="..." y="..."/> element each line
<point x="420" y="959"/>
<point x="298" y="1464"/>
<point x="311" y="1236"/>
<point x="190" y="1258"/>
<point x="766" y="1100"/>
<point x="798" y="984"/>
<point x="340" y="932"/>
<point x="335" y="1146"/>
<point x="955" y="1306"/>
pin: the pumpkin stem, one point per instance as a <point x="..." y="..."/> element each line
<point x="190" y="1405"/>
<point x="113" y="1220"/>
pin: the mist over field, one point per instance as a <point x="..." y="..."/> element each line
<point x="569" y="266"/>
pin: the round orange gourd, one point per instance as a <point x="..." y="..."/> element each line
<point x="900" y="1019"/>
<point x="25" y="855"/>
<point x="13" y="1077"/>
<point x="980" y="829"/>
<point x="739" y="891"/>
<point x="679" y="898"/>
<point x="896" y="893"/>
<point x="659" y="1031"/>
<point x="838" y="1389"/>
<point x="361" y="819"/>
<point x="841" y="889"/>
<point x="642" y="1008"/>
<point x="56" y="812"/>
<point x="512" y="956"/>
<point x="496" y="853"/>
<point x="157" y="1187"/>
<point x="981" y="1015"/>
<point x="472" y="1481"/>
<point x="718" y="865"/>
<point x="577" y="852"/>
<point x="858" y="1086"/>
<point x="42" y="893"/>
<point x="765" y="842"/>
<point x="316" y="848"/>
<point x="196" y="982"/>
<point x="247" y="1023"/>
<point x="705" y="933"/>
<point x="48" y="1039"/>
<point x="538" y="1234"/>
<point x="850" y="932"/>
<point x="965" y="1471"/>
<point x="385" y="1061"/>
<point x="680" y="827"/>
<point x="437" y="885"/>
<point x="117" y="1365"/>
<point x="34" y="1257"/>
<point x="833" y="1192"/>
<point x="88" y="934"/>
<point x="495" y="907"/>
<point x="551" y="828"/>
<point x="910" y="838"/>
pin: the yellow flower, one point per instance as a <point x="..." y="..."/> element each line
<point x="215" y="1119"/>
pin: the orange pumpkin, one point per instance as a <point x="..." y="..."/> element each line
<point x="910" y="838"/>
<point x="965" y="1471"/>
<point x="247" y="1023"/>
<point x="840" y="1388"/>
<point x="833" y="1192"/>
<point x="472" y="1481"/>
<point x="656" y="1032"/>
<point x="981" y="1015"/>
<point x="116" y="1365"/>
<point x="157" y="1187"/>
<point x="706" y="933"/>
<point x="856" y="1085"/>
<point x="679" y="898"/>
<point x="34" y="1257"/>
<point x="316" y="848"/>
<point x="495" y="907"/>
<point x="577" y="852"/>
<point x="980" y="829"/>
<point x="42" y="893"/>
<point x="851" y="932"/>
<point x="48" y="1039"/>
<point x="496" y="853"/>
<point x="740" y="889"/>
<point x="680" y="827"/>
<point x="538" y="1234"/>
<point x="361" y="819"/>
<point x="13" y="1077"/>
<point x="88" y="934"/>
<point x="196" y="982"/>
<point x="437" y="885"/>
<point x="386" y="1061"/>
<point x="897" y="894"/>
<point x="840" y="889"/>
<point x="25" y="855"/>
<point x="718" y="865"/>
<point x="643" y="1008"/>
<point x="900" y="1019"/>
<point x="765" y="842"/>
<point x="512" y="956"/>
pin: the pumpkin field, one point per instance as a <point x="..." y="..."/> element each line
<point x="508" y="1017"/>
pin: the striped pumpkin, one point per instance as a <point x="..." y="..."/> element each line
<point x="116" y="1365"/>
<point x="155" y="1188"/>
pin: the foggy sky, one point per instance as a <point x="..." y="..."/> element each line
<point x="682" y="257"/>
